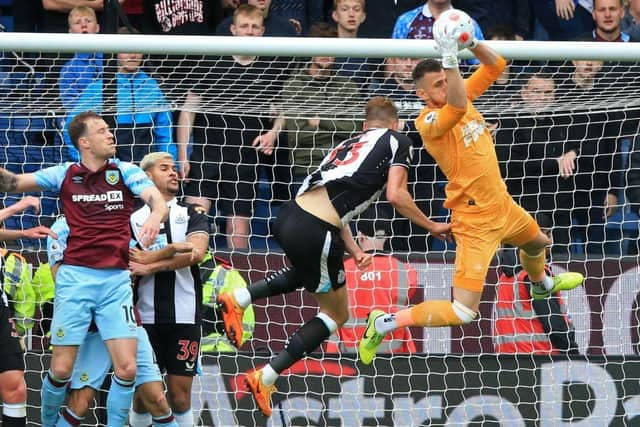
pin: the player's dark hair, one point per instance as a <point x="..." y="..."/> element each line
<point x="381" y="109"/>
<point x="424" y="67"/>
<point x="78" y="126"/>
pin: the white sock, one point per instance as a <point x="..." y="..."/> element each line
<point x="331" y="324"/>
<point x="545" y="284"/>
<point x="15" y="410"/>
<point x="269" y="376"/>
<point x="137" y="419"/>
<point x="184" y="419"/>
<point x="243" y="297"/>
<point x="385" y="324"/>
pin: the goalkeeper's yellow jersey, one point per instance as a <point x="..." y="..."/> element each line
<point x="463" y="147"/>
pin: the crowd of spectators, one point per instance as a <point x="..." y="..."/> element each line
<point x="578" y="167"/>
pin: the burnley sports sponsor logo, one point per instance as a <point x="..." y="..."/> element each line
<point x="112" y="177"/>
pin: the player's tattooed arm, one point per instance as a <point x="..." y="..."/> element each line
<point x="8" y="181"/>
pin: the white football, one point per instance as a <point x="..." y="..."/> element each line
<point x="454" y="24"/>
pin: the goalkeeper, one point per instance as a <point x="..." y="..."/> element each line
<point x="483" y="213"/>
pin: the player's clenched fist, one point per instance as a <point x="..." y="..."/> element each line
<point x="454" y="28"/>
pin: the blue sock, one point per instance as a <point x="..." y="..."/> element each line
<point x="165" y="420"/>
<point x="68" y="419"/>
<point x="52" y="394"/>
<point x="119" y="401"/>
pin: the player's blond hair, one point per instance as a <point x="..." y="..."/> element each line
<point x="150" y="159"/>
<point x="82" y="11"/>
<point x="381" y="109"/>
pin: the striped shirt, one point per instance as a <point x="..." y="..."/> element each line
<point x="170" y="297"/>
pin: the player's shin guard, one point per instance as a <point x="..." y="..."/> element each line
<point x="184" y="419"/>
<point x="119" y="401"/>
<point x="69" y="419"/>
<point x="534" y="264"/>
<point x="303" y="341"/>
<point x="281" y="282"/>
<point x="14" y="414"/>
<point x="439" y="313"/>
<point x="168" y="420"/>
<point x="52" y="395"/>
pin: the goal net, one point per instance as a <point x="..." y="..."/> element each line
<point x="251" y="127"/>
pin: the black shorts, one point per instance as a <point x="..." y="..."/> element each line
<point x="11" y="352"/>
<point x="313" y="246"/>
<point x="177" y="347"/>
<point x="233" y="186"/>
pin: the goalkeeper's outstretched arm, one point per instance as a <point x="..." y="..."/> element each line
<point x="485" y="54"/>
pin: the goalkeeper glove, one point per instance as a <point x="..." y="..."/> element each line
<point x="446" y="44"/>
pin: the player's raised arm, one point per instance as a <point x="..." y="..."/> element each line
<point x="17" y="183"/>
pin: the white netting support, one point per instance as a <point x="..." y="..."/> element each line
<point x="454" y="378"/>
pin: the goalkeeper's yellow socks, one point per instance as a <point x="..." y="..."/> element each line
<point x="433" y="313"/>
<point x="534" y="265"/>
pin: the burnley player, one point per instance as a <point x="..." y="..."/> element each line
<point x="93" y="281"/>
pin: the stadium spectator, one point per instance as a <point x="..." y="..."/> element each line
<point x="178" y="17"/>
<point x="388" y="285"/>
<point x="483" y="213"/>
<point x="510" y="82"/>
<point x="597" y="165"/>
<point x="143" y="121"/>
<point x="351" y="177"/>
<point x="563" y="20"/>
<point x="96" y="259"/>
<point x="228" y="143"/>
<point x="54" y="15"/>
<point x="514" y="14"/>
<point x="529" y="147"/>
<point x="523" y="325"/>
<point x="134" y="10"/>
<point x="313" y="100"/>
<point x="631" y="20"/>
<point x="382" y="15"/>
<point x="77" y="73"/>
<point x="168" y="289"/>
<point x="607" y="15"/>
<point x="633" y="176"/>
<point x="418" y="23"/>
<point x="274" y="25"/>
<point x="218" y="276"/>
<point x="301" y="13"/>
<point x="93" y="362"/>
<point x="348" y="16"/>
<point x="425" y="178"/>
<point x="13" y="390"/>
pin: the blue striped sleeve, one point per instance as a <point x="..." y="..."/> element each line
<point x="50" y="179"/>
<point x="134" y="177"/>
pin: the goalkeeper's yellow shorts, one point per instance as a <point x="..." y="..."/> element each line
<point x="479" y="236"/>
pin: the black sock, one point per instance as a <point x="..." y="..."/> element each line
<point x="302" y="342"/>
<point x="8" y="421"/>
<point x="281" y="282"/>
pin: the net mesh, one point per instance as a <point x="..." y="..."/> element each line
<point x="539" y="111"/>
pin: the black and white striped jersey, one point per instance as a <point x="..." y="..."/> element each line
<point x="355" y="172"/>
<point x="171" y="296"/>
